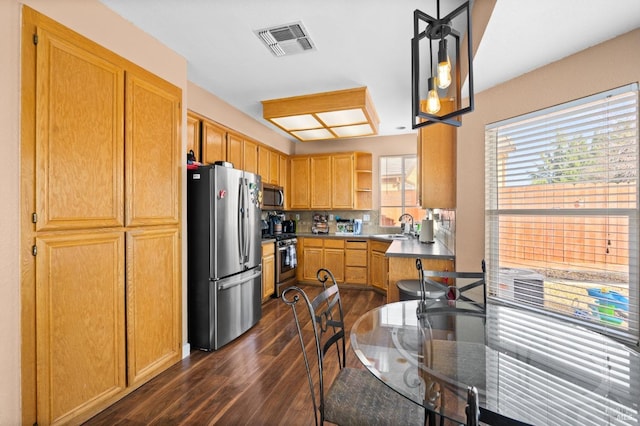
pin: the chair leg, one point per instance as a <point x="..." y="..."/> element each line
<point x="473" y="407"/>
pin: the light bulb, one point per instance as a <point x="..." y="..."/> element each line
<point x="433" y="100"/>
<point x="444" y="66"/>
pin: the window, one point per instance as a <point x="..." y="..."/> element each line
<point x="398" y="189"/>
<point x="561" y="211"/>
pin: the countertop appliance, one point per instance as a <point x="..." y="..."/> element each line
<point x="272" y="197"/>
<point x="288" y="226"/>
<point x="224" y="254"/>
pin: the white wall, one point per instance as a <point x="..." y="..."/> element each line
<point x="605" y="66"/>
<point x="9" y="208"/>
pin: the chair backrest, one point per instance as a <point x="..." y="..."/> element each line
<point x="326" y="317"/>
<point x="446" y="280"/>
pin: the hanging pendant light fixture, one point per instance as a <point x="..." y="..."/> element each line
<point x="433" y="99"/>
<point x="446" y="80"/>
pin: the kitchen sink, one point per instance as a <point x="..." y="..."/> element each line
<point x="392" y="236"/>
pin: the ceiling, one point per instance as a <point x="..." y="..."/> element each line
<point x="361" y="43"/>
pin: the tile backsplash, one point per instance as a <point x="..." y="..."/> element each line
<point x="444" y="225"/>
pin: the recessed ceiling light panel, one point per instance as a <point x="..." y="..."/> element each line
<point x="326" y="115"/>
<point x="343" y="117"/>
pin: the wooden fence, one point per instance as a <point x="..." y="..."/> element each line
<point x="598" y="241"/>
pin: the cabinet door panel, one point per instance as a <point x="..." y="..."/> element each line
<point x="79" y="137"/>
<point x="299" y="183"/>
<point x="80" y="323"/>
<point x="312" y="262"/>
<point x="235" y="147"/>
<point x="274" y="168"/>
<point x="342" y="181"/>
<point x="264" y="164"/>
<point x="193" y="135"/>
<point x="283" y="170"/>
<point x="334" y="261"/>
<point x="437" y="158"/>
<point x="250" y="157"/>
<point x="153" y="302"/>
<point x="321" y="176"/>
<point x="214" y="143"/>
<point x="268" y="271"/>
<point x="152" y="161"/>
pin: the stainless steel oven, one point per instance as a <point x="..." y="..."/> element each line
<point x="286" y="262"/>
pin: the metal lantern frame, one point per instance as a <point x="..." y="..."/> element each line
<point x="436" y="30"/>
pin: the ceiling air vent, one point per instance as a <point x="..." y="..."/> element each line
<point x="287" y="39"/>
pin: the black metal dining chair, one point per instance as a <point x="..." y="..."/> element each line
<point x="355" y="397"/>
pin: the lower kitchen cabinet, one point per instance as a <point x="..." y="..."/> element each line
<point x="325" y="253"/>
<point x="379" y="265"/>
<point x="268" y="270"/>
<point x="80" y="320"/>
<point x="355" y="261"/>
<point x="154" y="308"/>
<point x="334" y="258"/>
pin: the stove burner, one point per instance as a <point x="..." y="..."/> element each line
<point x="278" y="237"/>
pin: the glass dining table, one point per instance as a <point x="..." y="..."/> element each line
<point x="526" y="366"/>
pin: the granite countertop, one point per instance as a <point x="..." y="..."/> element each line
<point x="415" y="249"/>
<point x="411" y="247"/>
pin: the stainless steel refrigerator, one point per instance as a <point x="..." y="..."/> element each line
<point x="224" y="254"/>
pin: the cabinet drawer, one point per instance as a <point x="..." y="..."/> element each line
<point x="356" y="258"/>
<point x="331" y="243"/>
<point x="356" y="245"/>
<point x="313" y="242"/>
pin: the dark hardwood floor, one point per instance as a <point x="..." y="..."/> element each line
<point x="258" y="379"/>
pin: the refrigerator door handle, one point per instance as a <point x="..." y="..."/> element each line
<point x="245" y="225"/>
<point x="241" y="249"/>
<point x="240" y="280"/>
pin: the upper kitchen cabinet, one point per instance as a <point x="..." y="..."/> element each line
<point x="250" y="156"/>
<point x="437" y="159"/>
<point x="79" y="140"/>
<point x="352" y="181"/>
<point x="193" y="135"/>
<point x="269" y="165"/>
<point x="331" y="181"/>
<point x="242" y="152"/>
<point x="299" y="193"/>
<point x="235" y="146"/>
<point x="214" y="143"/>
<point x="363" y="180"/>
<point x="321" y="176"/>
<point x="152" y="158"/>
<point x="342" y="181"/>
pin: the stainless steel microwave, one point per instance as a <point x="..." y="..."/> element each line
<point x="272" y="197"/>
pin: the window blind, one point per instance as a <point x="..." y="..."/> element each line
<point x="556" y="354"/>
<point x="561" y="211"/>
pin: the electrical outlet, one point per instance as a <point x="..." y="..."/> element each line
<point x="330" y="217"/>
<point x="366" y="217"/>
<point x="297" y="216"/>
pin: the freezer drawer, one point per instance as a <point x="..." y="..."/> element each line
<point x="238" y="305"/>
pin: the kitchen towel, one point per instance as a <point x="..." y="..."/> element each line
<point x="293" y="261"/>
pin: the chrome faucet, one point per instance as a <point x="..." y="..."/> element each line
<point x="404" y="224"/>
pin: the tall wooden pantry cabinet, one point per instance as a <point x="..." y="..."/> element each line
<point x="101" y="166"/>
